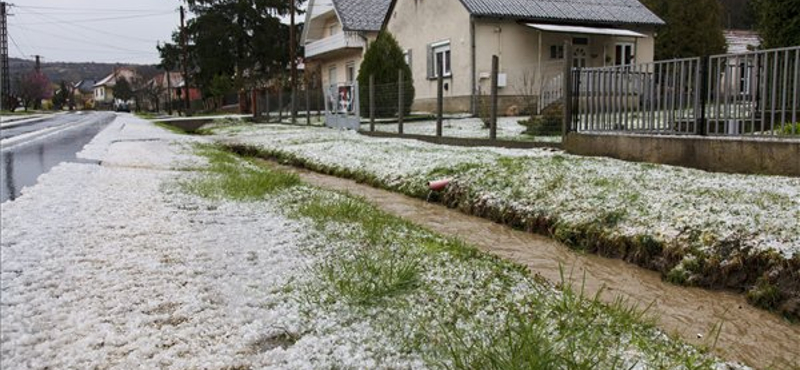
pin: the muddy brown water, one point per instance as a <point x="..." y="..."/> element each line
<point x="749" y="335"/>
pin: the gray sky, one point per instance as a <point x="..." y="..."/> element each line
<point x="124" y="31"/>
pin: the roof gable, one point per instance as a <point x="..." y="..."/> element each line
<point x="361" y="15"/>
<point x="566" y="11"/>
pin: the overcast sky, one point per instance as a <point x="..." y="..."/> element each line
<point x="123" y="31"/>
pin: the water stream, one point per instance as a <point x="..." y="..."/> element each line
<point x="749" y="335"/>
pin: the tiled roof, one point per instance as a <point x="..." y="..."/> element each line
<point x="566" y="11"/>
<point x="361" y="15"/>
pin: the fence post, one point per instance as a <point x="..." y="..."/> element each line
<point x="439" y="99"/>
<point x="702" y="127"/>
<point x="567" y="122"/>
<point x="254" y="102"/>
<point x="280" y="103"/>
<point x="493" y="119"/>
<point x="266" y="104"/>
<point x="371" y="103"/>
<point x="293" y="103"/>
<point x="308" y="105"/>
<point x="400" y="101"/>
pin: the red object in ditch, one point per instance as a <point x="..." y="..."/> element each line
<point x="438" y="184"/>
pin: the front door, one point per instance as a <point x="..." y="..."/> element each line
<point x="579" y="57"/>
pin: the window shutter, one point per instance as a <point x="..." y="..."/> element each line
<point x="430" y="61"/>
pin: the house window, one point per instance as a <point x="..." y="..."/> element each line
<point x="333" y="29"/>
<point x="624" y="54"/>
<point x="332" y="75"/>
<point x="351" y="72"/>
<point x="439" y="59"/>
<point x="556" y="51"/>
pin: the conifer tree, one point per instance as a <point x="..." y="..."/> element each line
<point x="383" y="59"/>
<point x="693" y="28"/>
<point x="778" y="22"/>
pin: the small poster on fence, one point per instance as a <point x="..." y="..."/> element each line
<point x="345" y="100"/>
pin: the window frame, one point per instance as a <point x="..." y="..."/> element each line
<point x="350" y="72"/>
<point x="443" y="49"/>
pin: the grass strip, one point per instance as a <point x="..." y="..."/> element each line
<point x="437" y="297"/>
<point x="769" y="280"/>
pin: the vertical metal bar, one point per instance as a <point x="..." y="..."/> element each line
<point x="308" y="104"/>
<point x="681" y="91"/>
<point x="785" y="86"/>
<point x="610" y="99"/>
<point x="774" y="94"/>
<point x="736" y="76"/>
<point x="493" y="122"/>
<point x="651" y="96"/>
<point x="726" y="93"/>
<point x="763" y="81"/>
<point x="568" y="92"/>
<point x="640" y="100"/>
<point x="626" y="84"/>
<point x="601" y="99"/>
<point x="673" y="98"/>
<point x="699" y="94"/>
<point x="400" y="101"/>
<point x="280" y="103"/>
<point x="439" y="98"/>
<point x="796" y="99"/>
<point x="657" y="95"/>
<point x="718" y="98"/>
<point x="663" y="98"/>
<point x="618" y="101"/>
<point x="752" y="89"/>
<point x="589" y="98"/>
<point x="371" y="103"/>
<point x="597" y="109"/>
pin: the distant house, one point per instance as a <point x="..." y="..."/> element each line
<point x="164" y="85"/>
<point x="83" y="93"/>
<point x="336" y="36"/>
<point x="741" y="41"/>
<point x="104" y="89"/>
<point x="460" y="36"/>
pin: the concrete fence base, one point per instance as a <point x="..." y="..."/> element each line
<point x="718" y="154"/>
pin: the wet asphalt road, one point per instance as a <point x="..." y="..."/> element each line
<point x="24" y="158"/>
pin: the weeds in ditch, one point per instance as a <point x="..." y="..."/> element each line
<point x="232" y="177"/>
<point x="371" y="274"/>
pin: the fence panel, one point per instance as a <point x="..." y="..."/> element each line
<point x="660" y="97"/>
<point x="754" y="93"/>
<point x="751" y="94"/>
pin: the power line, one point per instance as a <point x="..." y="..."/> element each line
<point x="87" y="20"/>
<point x="106" y="51"/>
<point x="80" y="41"/>
<point x="16" y="46"/>
<point x="83" y="10"/>
<point x="60" y="23"/>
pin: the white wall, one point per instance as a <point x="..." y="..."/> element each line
<point x="416" y="24"/>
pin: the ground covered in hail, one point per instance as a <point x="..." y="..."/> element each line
<point x="697" y="228"/>
<point x="176" y="254"/>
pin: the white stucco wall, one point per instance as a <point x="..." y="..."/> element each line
<point x="416" y="24"/>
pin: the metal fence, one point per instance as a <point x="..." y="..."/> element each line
<point x="752" y="94"/>
<point x="274" y="104"/>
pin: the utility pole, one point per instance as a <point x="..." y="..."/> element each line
<point x="38" y="67"/>
<point x="293" y="62"/>
<point x="185" y="65"/>
<point x="5" y="79"/>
